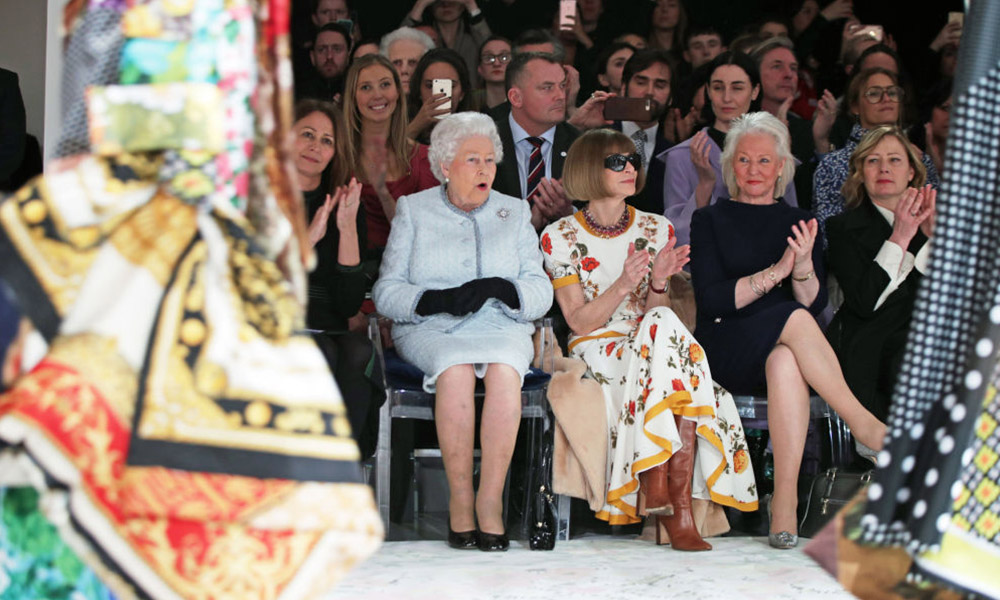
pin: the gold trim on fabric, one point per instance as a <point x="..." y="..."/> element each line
<point x="564" y="281"/>
<point x="156" y="234"/>
<point x="180" y="402"/>
<point x="586" y="338"/>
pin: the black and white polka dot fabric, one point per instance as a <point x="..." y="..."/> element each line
<point x="952" y="348"/>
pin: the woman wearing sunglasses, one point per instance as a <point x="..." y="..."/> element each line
<point x="673" y="434"/>
<point x="875" y="98"/>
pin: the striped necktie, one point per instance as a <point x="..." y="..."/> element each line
<point x="639" y="137"/>
<point x="536" y="167"/>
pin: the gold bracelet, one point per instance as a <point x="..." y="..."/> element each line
<point x="753" y="286"/>
<point x="808" y="276"/>
<point x="774" y="278"/>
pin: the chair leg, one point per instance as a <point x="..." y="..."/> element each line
<point x="383" y="459"/>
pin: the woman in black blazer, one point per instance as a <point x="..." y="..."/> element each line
<point x="878" y="252"/>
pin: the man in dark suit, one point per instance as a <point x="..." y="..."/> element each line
<point x="647" y="74"/>
<point x="535" y="137"/>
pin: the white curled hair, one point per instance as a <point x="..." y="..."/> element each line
<point x="454" y="129"/>
<point x="758" y="123"/>
<point x="405" y="33"/>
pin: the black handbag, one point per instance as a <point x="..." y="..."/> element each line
<point x="543" y="519"/>
<point x="830" y="491"/>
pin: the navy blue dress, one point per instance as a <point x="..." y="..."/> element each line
<point x="730" y="240"/>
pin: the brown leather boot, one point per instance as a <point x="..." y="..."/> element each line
<point x="654" y="484"/>
<point x="680" y="525"/>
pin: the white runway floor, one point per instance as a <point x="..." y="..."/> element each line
<point x="590" y="567"/>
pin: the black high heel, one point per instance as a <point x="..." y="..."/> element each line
<point x="493" y="542"/>
<point x="463" y="540"/>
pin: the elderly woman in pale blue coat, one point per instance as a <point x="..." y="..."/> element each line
<point x="462" y="279"/>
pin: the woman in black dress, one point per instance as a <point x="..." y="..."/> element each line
<point x="878" y="251"/>
<point x="757" y="277"/>
<point x="337" y="284"/>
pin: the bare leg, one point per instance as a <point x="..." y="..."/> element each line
<point x="820" y="368"/>
<point x="787" y="422"/>
<point x="455" y="420"/>
<point x="497" y="434"/>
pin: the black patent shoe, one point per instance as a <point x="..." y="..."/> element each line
<point x="463" y="540"/>
<point x="493" y="542"/>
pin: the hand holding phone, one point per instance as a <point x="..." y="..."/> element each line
<point x="567" y="15"/>
<point x="442" y="86"/>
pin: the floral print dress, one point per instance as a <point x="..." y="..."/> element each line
<point x="650" y="368"/>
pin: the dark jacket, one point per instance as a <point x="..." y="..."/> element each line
<point x="507" y="180"/>
<point x="869" y="342"/>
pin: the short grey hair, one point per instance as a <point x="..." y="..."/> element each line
<point x="405" y="33"/>
<point x="758" y="123"/>
<point x="454" y="129"/>
<point x="759" y="51"/>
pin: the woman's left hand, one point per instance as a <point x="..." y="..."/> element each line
<point x="801" y="244"/>
<point x="347" y="208"/>
<point x="317" y="227"/>
<point x="927" y="210"/>
<point x="669" y="261"/>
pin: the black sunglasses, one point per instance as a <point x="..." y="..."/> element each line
<point x="616" y="162"/>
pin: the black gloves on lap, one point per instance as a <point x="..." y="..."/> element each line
<point x="468" y="297"/>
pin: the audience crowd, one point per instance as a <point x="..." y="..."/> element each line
<point x="764" y="140"/>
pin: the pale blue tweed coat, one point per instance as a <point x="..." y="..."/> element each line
<point x="434" y="245"/>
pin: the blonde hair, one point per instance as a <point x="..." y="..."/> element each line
<point x="399" y="145"/>
<point x="760" y="123"/>
<point x="583" y="173"/>
<point x="854" y="190"/>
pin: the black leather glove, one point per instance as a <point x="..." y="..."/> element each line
<point x="492" y="287"/>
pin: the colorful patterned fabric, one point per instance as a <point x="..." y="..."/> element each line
<point x="183" y="440"/>
<point x="650" y="369"/>
<point x="37" y="563"/>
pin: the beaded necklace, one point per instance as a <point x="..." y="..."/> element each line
<point x="606" y="232"/>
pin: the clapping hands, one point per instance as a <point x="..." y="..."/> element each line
<point x="345" y="199"/>
<point x="914" y="211"/>
<point x="669" y="260"/>
<point x="797" y="258"/>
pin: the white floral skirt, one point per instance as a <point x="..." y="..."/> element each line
<point x="654" y="373"/>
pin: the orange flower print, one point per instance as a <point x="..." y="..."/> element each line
<point x="547" y="244"/>
<point x="741" y="460"/>
<point x="620" y="350"/>
<point x="631" y="407"/>
<point x="670" y="232"/>
<point x="652" y="332"/>
<point x="696" y="353"/>
<point x="695" y="380"/>
<point x="589" y="263"/>
<point x="610" y="348"/>
<point x="644" y="351"/>
<point x="678" y="385"/>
